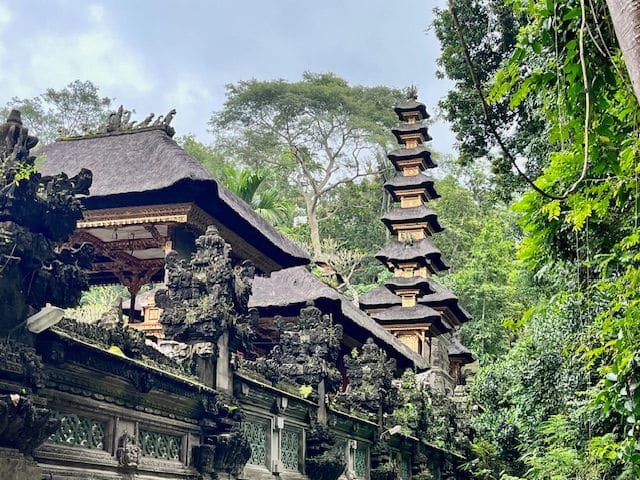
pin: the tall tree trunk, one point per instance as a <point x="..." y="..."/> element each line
<point x="314" y="228"/>
<point x="625" y="15"/>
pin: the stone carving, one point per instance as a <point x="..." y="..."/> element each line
<point x="207" y="296"/>
<point x="325" y="459"/>
<point x="128" y="451"/>
<point x="131" y="342"/>
<point x="412" y="93"/>
<point x="383" y="465"/>
<point x="306" y="353"/>
<point x="35" y="214"/>
<point x="370" y="376"/>
<point x="119" y="121"/>
<point x="225" y="448"/>
<point x="24" y="422"/>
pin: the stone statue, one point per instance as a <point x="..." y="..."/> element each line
<point x="412" y="93"/>
<point x="370" y="376"/>
<point x="207" y="295"/>
<point x="128" y="451"/>
<point x="37" y="213"/>
<point x="120" y="121"/>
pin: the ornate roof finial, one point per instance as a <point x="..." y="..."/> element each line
<point x="119" y="121"/>
<point x="412" y="92"/>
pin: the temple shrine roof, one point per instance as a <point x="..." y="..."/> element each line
<point x="411" y="106"/>
<point x="415" y="314"/>
<point x="297" y="286"/>
<point x="411" y="215"/>
<point x="401" y="182"/>
<point x="412" y="251"/>
<point x="410" y="153"/>
<point x="145" y="166"/>
<point x="411" y="128"/>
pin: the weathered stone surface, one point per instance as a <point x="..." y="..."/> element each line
<point x="306" y="353"/>
<point x="208" y="295"/>
<point x="370" y="376"/>
<point x="24" y="424"/>
<point x="35" y="213"/>
<point x="325" y="458"/>
<point x="15" y="466"/>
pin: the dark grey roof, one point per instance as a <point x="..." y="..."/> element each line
<point x="415" y="314"/>
<point x="379" y="297"/>
<point x="408" y="153"/>
<point x="147" y="166"/>
<point x="407" y="128"/>
<point x="135" y="161"/>
<point x="418" y="250"/>
<point x="289" y="286"/>
<point x="443" y="297"/>
<point x="411" y="106"/>
<point x="460" y="352"/>
<point x="408" y="182"/>
<point x="396" y="283"/>
<point x="413" y="214"/>
<point x="297" y="285"/>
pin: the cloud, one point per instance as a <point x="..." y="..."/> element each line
<point x="189" y="91"/>
<point x="93" y="52"/>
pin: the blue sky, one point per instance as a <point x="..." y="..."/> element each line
<point x="155" y="55"/>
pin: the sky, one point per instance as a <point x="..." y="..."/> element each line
<point x="156" y="55"/>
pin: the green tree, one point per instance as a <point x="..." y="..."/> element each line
<point x="250" y="187"/>
<point x="318" y="133"/>
<point x="491" y="28"/>
<point x="210" y="158"/>
<point x="73" y="110"/>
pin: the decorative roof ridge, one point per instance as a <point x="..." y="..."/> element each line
<point x="120" y="122"/>
<point x="95" y="135"/>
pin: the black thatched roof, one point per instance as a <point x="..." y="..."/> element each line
<point x="442" y="297"/>
<point x="411" y="215"/>
<point x="409" y="153"/>
<point x="408" y="128"/>
<point x="411" y="182"/>
<point x="397" y="283"/>
<point x="147" y="167"/>
<point x="379" y="297"/>
<point x="295" y="287"/>
<point x="135" y="161"/>
<point x="411" y="106"/>
<point x="415" y="314"/>
<point x="418" y="250"/>
<point x="459" y="352"/>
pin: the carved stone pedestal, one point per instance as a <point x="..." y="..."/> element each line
<point x="16" y="466"/>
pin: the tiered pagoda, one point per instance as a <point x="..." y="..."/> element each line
<point x="411" y="305"/>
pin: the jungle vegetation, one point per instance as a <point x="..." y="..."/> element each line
<point x="546" y="260"/>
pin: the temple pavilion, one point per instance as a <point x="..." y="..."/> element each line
<point x="199" y="404"/>
<point x="411" y="305"/>
<point x="149" y="197"/>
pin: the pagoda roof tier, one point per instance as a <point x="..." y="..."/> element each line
<point x="412" y="315"/>
<point x="412" y="215"/>
<point x="421" y="251"/>
<point x="402" y="183"/>
<point x="286" y="291"/>
<point x="404" y="129"/>
<point x="396" y="284"/>
<point x="143" y="169"/>
<point x="457" y="351"/>
<point x="379" y="297"/>
<point x="442" y="297"/>
<point x="411" y="106"/>
<point x="419" y="152"/>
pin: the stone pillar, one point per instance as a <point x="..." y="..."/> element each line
<point x="224" y="379"/>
